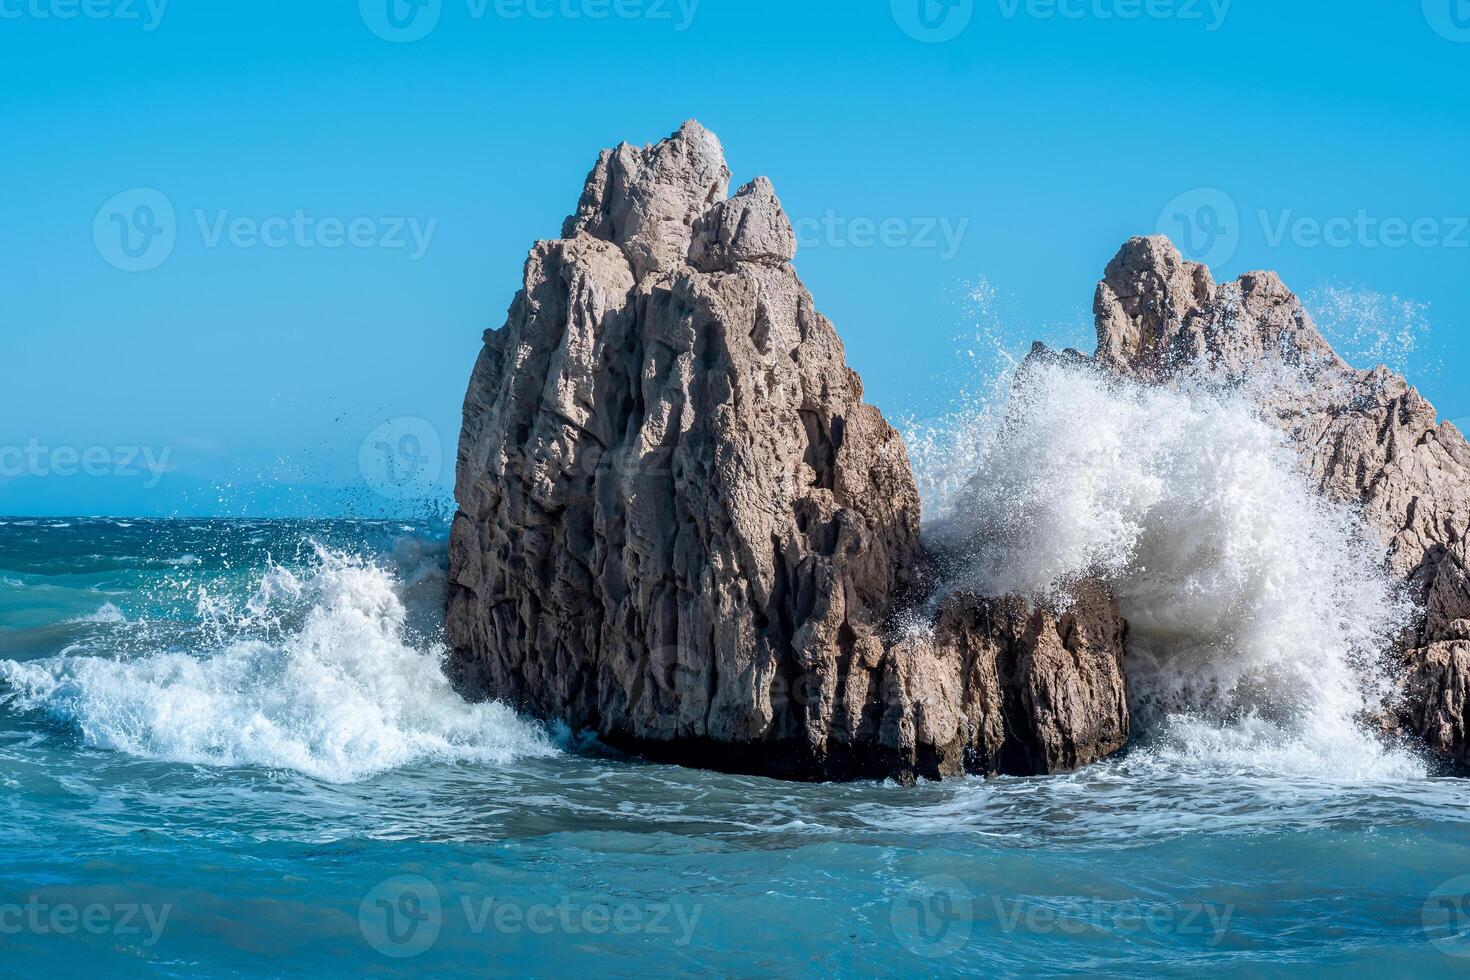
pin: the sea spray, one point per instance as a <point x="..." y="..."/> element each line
<point x="106" y="614"/>
<point x="1259" y="610"/>
<point x="945" y="451"/>
<point x="313" y="672"/>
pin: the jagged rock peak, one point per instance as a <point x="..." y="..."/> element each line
<point x="645" y="200"/>
<point x="1158" y="313"/>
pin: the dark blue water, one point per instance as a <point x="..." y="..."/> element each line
<point x="226" y="749"/>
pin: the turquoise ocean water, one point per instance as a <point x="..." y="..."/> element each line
<point x="226" y="749"/>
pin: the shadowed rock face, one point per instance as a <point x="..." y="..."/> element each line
<point x="680" y="526"/>
<point x="1367" y="438"/>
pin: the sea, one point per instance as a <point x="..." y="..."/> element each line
<point x="228" y="749"/>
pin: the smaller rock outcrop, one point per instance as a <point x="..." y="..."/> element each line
<point x="1366" y="437"/>
<point x="1158" y="314"/>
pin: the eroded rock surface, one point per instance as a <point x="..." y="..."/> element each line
<point x="680" y="526"/>
<point x="1367" y="437"/>
<point x="1001" y="686"/>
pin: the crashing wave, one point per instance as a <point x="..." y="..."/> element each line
<point x="314" y="672"/>
<point x="1260" y="611"/>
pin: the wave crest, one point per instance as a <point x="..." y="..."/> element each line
<point x="312" y="672"/>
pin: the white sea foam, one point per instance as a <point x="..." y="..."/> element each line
<point x="1259" y="611"/>
<point x="313" y="673"/>
<point x="108" y="613"/>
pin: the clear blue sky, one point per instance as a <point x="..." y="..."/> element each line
<point x="1041" y="135"/>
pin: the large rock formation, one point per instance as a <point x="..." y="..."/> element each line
<point x="1367" y="438"/>
<point x="680" y="526"/>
